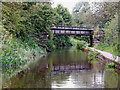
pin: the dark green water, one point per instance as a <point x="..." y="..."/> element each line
<point x="65" y="68"/>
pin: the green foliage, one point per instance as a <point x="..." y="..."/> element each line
<point x="39" y="18"/>
<point x="82" y="44"/>
<point x="92" y="55"/>
<point x="50" y="45"/>
<point x="11" y="13"/>
<point x="63" y="15"/>
<point x="110" y="40"/>
<point x="23" y="27"/>
<point x="106" y="12"/>
<point x="61" y="41"/>
<point x="84" y="38"/>
<point x="15" y="52"/>
<point x="28" y="5"/>
<point x="27" y="19"/>
<point x="102" y="46"/>
<point x="111" y="65"/>
<point x="73" y="41"/>
<point x="83" y="17"/>
<point x="59" y="19"/>
<point x="82" y="14"/>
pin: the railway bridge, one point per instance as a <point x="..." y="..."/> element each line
<point x="73" y="30"/>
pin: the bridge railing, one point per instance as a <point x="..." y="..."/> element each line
<point x="71" y="32"/>
<point x="68" y="26"/>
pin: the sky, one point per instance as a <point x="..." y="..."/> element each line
<point x="66" y="3"/>
<point x="71" y="3"/>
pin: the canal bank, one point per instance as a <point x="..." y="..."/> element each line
<point x="9" y="72"/>
<point x="105" y="57"/>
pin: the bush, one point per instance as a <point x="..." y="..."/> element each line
<point x="82" y="44"/>
<point x="111" y="49"/>
<point x="110" y="42"/>
<point x="61" y="41"/>
<point x="92" y="55"/>
<point x="111" y="65"/>
<point x="15" y="52"/>
<point x="102" y="46"/>
<point x="50" y="45"/>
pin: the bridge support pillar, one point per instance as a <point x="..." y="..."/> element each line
<point x="91" y="40"/>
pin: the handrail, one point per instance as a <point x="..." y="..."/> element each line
<point x="58" y="26"/>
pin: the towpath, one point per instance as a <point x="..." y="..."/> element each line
<point x="107" y="55"/>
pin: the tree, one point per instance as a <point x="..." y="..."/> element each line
<point x="95" y="13"/>
<point x="63" y="15"/>
<point x="11" y="17"/>
<point x="41" y="17"/>
<point x="83" y="15"/>
<point x="104" y="11"/>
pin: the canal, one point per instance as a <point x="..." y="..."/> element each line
<point x="65" y="68"/>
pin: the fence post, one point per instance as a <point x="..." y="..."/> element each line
<point x="61" y="25"/>
<point x="91" y="39"/>
<point x="69" y="25"/>
<point x="51" y="25"/>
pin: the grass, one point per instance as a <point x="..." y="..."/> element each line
<point x="104" y="47"/>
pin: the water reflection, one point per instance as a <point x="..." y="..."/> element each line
<point x="65" y="69"/>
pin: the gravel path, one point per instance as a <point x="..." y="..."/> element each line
<point x="107" y="55"/>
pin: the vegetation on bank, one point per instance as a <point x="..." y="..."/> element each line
<point x="111" y="65"/>
<point x="93" y="56"/>
<point x="16" y="53"/>
<point x="82" y="44"/>
<point x="20" y="34"/>
<point x="110" y="42"/>
<point x="78" y="44"/>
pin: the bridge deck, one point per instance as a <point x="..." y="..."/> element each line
<point x="71" y="31"/>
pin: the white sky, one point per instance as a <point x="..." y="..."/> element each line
<point x="66" y="3"/>
<point x="71" y="3"/>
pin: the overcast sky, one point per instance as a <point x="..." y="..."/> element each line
<point x="66" y="3"/>
<point x="71" y="3"/>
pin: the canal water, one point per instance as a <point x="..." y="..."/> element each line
<point x="65" y="68"/>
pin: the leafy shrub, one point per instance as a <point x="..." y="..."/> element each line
<point x="62" y="41"/>
<point x="110" y="42"/>
<point x="50" y="45"/>
<point x="111" y="65"/>
<point x="14" y="52"/>
<point x="82" y="44"/>
<point x="102" y="46"/>
<point x="92" y="55"/>
<point x="111" y="49"/>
